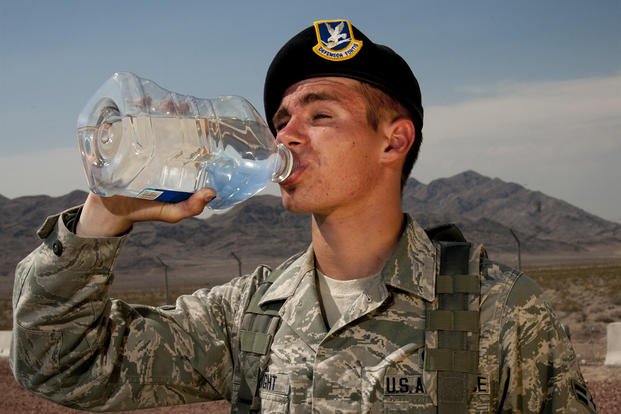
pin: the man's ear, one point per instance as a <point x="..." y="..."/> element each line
<point x="400" y="135"/>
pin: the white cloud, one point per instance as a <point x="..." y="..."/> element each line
<point x="562" y="138"/>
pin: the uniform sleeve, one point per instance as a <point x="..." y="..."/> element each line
<point x="539" y="370"/>
<point x="76" y="346"/>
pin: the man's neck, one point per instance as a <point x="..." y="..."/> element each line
<point x="355" y="245"/>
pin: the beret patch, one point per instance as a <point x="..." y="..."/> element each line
<point x="335" y="40"/>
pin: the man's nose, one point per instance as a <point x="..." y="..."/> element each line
<point x="291" y="135"/>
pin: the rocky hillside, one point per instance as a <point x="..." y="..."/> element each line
<point x="260" y="230"/>
<point x="488" y="209"/>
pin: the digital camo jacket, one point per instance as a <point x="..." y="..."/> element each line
<point x="75" y="345"/>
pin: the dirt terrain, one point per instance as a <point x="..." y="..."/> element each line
<point x="586" y="298"/>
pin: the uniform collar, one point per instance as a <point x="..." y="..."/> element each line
<point x="411" y="267"/>
<point x="290" y="279"/>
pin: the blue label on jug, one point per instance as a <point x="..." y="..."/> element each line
<point x="168" y="196"/>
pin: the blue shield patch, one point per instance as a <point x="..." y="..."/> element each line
<point x="335" y="40"/>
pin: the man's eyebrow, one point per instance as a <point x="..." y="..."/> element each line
<point x="317" y="96"/>
<point x="306" y="99"/>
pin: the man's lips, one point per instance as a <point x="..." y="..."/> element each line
<point x="296" y="172"/>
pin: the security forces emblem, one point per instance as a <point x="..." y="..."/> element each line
<point x="335" y="40"/>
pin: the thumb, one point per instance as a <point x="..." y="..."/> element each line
<point x="193" y="206"/>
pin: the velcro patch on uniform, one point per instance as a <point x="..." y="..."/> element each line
<point x="275" y="383"/>
<point x="404" y="384"/>
<point x="482" y="385"/>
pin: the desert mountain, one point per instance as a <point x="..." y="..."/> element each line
<point x="260" y="230"/>
<point x="488" y="209"/>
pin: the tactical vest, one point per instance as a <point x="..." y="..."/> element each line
<point x="455" y="323"/>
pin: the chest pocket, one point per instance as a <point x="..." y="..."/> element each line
<point x="274" y="390"/>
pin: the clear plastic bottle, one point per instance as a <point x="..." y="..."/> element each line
<point x="140" y="140"/>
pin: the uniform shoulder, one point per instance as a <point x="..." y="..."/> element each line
<point x="516" y="287"/>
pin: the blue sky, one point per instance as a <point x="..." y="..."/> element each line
<point x="526" y="91"/>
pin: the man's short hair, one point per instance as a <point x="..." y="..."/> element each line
<point x="380" y="107"/>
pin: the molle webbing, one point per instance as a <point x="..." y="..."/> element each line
<point x="457" y="325"/>
<point x="259" y="325"/>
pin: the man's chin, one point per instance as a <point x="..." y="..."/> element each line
<point x="291" y="204"/>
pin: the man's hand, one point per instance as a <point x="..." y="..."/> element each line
<point x="111" y="216"/>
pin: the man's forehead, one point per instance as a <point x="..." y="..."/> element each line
<point x="321" y="89"/>
<point x="304" y="92"/>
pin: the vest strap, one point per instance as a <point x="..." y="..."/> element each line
<point x="451" y="360"/>
<point x="458" y="284"/>
<point x="455" y="321"/>
<point x="256" y="342"/>
<point x="258" y="327"/>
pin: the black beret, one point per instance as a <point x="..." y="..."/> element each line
<point x="337" y="48"/>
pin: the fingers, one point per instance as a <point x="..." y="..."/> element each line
<point x="111" y="216"/>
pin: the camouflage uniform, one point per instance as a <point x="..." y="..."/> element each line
<point x="74" y="345"/>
